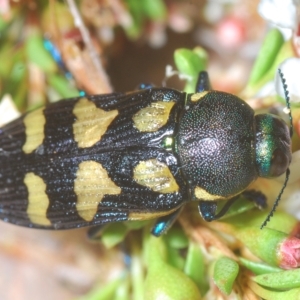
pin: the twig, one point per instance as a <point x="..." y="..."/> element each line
<point x="87" y="40"/>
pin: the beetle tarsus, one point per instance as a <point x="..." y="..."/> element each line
<point x="144" y="86"/>
<point x="163" y="224"/>
<point x="208" y="210"/>
<point x="203" y="83"/>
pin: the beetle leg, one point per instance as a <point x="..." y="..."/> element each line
<point x="203" y="83"/>
<point x="94" y="232"/>
<point x="144" y="86"/>
<point x="208" y="209"/>
<point x="259" y="199"/>
<point x="164" y="223"/>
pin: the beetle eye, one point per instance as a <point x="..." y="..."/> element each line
<point x="279" y="163"/>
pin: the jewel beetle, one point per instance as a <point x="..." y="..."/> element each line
<point x="140" y="155"/>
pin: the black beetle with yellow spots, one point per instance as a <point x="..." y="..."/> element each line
<point x="135" y="156"/>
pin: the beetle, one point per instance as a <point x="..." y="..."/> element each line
<point x="140" y="155"/>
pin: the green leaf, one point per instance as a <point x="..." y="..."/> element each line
<point x="281" y="221"/>
<point x="16" y="58"/>
<point x="62" y="86"/>
<point x="106" y="292"/>
<point x="190" y="63"/>
<point x="37" y="54"/>
<point x="3" y="23"/>
<point x="136" y="224"/>
<point x="237" y="208"/>
<point x="123" y="290"/>
<point x="164" y="281"/>
<point x="293" y="294"/>
<point x="267" y="55"/>
<point x="262" y="243"/>
<point x="195" y="267"/>
<point x="137" y="14"/>
<point x="154" y="9"/>
<point x="167" y="282"/>
<point x="136" y="269"/>
<point x="113" y="234"/>
<point x="20" y="92"/>
<point x="258" y="267"/>
<point x="225" y="273"/>
<point x="280" y="280"/>
<point x="176" y="238"/>
<point x="175" y="258"/>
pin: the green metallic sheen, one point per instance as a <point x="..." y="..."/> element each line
<point x="168" y="143"/>
<point x="273" y="153"/>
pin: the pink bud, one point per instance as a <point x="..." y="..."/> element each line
<point x="231" y="32"/>
<point x="289" y="253"/>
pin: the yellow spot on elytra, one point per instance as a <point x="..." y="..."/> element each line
<point x="153" y="117"/>
<point x="38" y="201"/>
<point x="202" y="194"/>
<point x="91" y="184"/>
<point x="135" y="216"/>
<point x="156" y="176"/>
<point x="198" y="96"/>
<point x="34" y="123"/>
<point x="91" y="122"/>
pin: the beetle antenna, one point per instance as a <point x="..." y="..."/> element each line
<point x="287" y="174"/>
<point x="287" y="100"/>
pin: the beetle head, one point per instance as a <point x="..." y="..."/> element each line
<point x="272" y="145"/>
